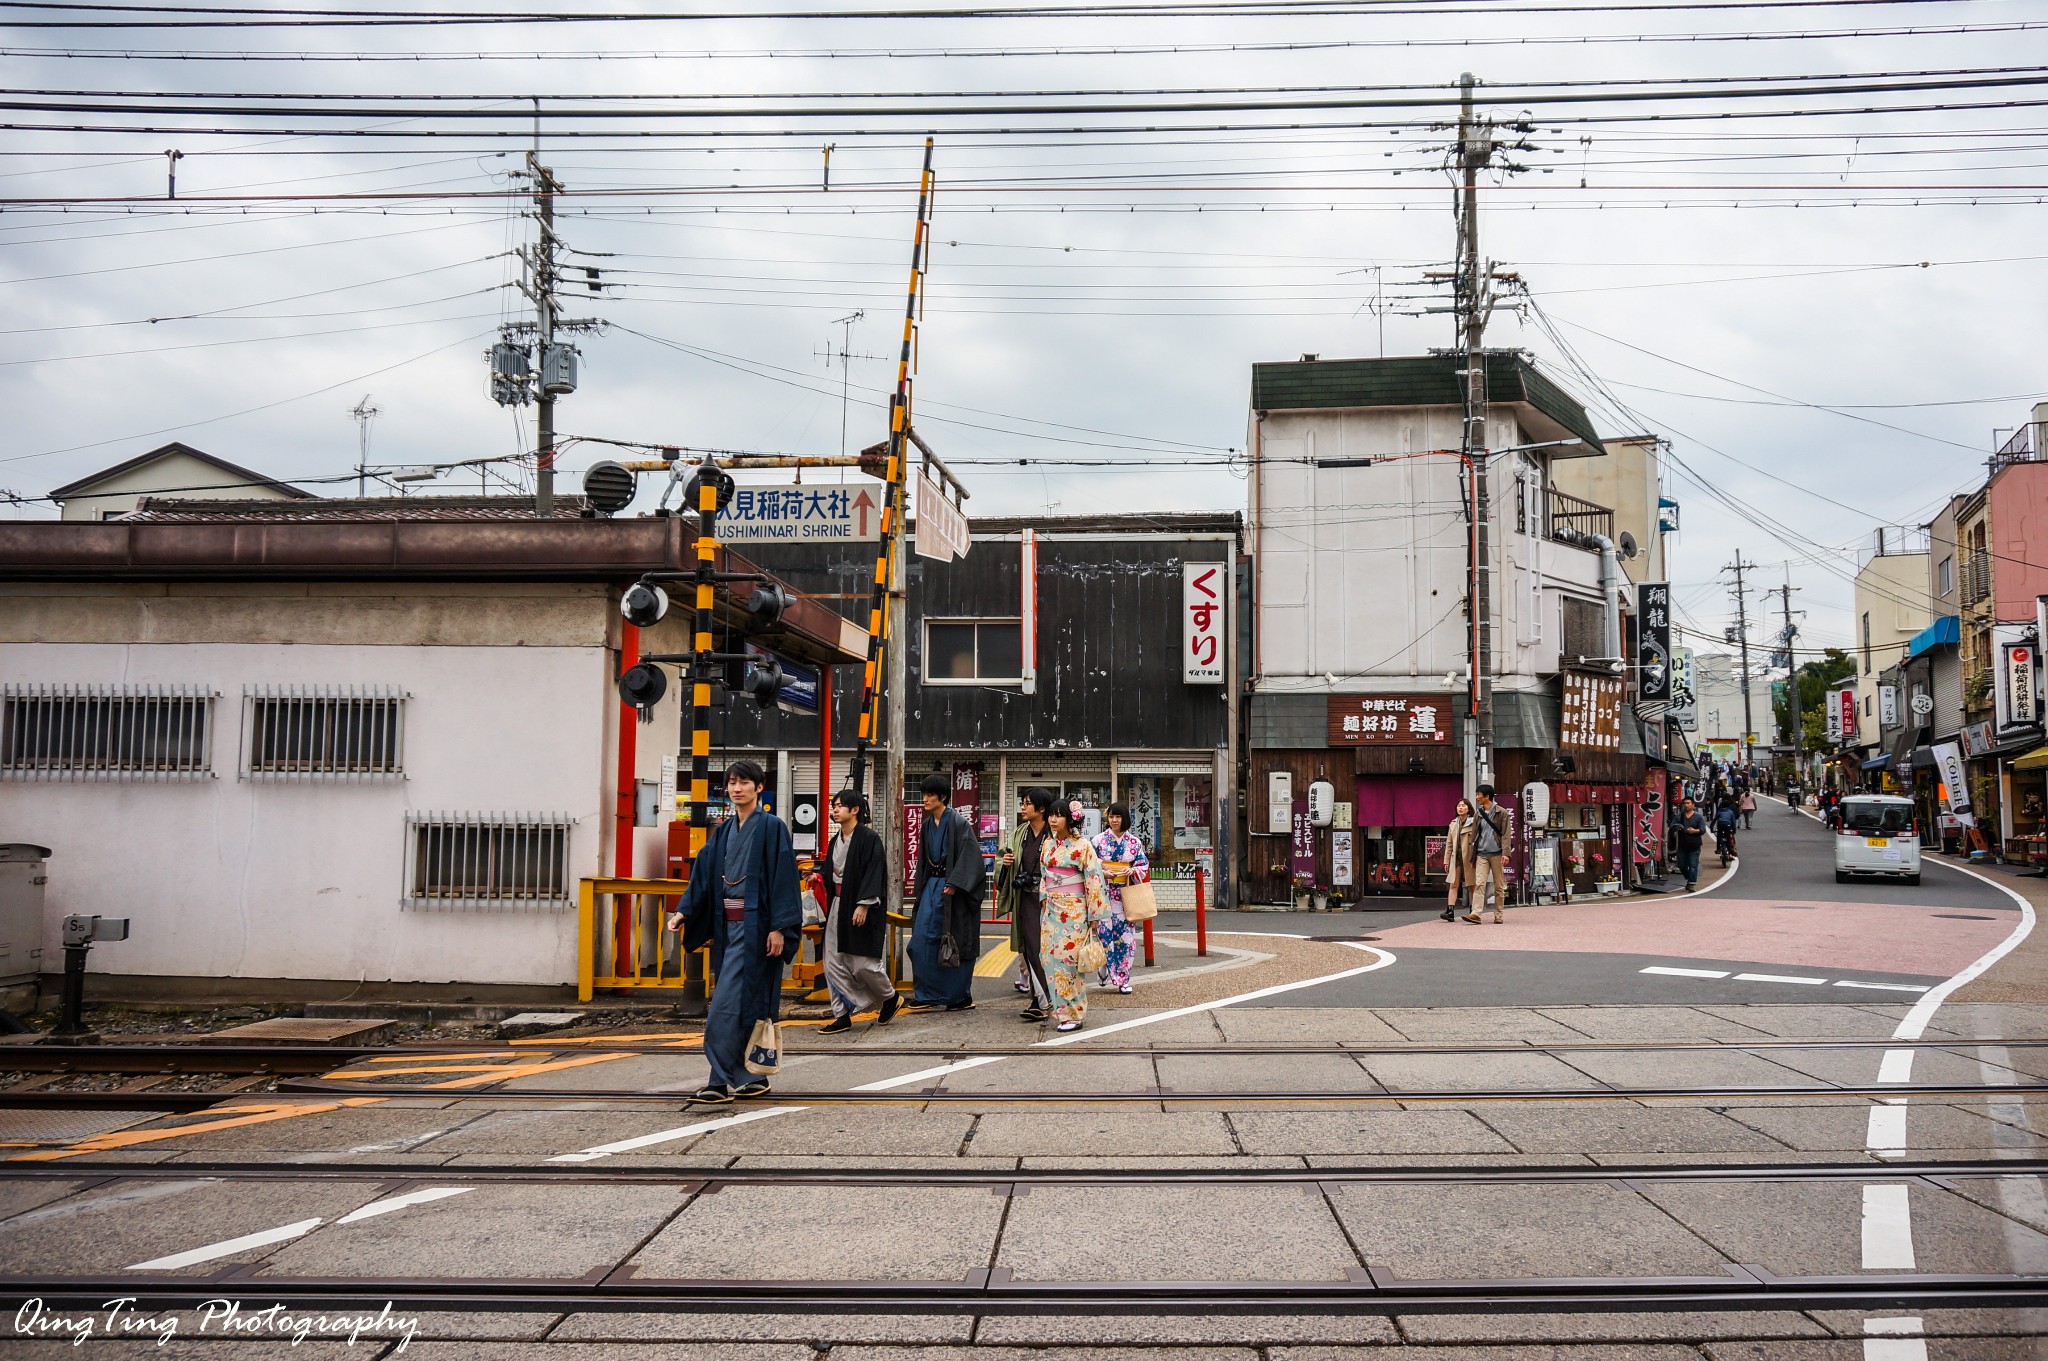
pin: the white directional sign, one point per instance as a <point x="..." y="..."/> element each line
<point x="941" y="525"/>
<point x="851" y="512"/>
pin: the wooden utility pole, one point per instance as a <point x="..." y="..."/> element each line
<point x="1471" y="298"/>
<point x="1741" y="641"/>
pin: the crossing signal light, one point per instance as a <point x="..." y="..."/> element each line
<point x="643" y="686"/>
<point x="764" y="683"/>
<point x="769" y="604"/>
<point x="643" y="604"/>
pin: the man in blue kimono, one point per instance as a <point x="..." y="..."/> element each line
<point x="742" y="901"/>
<point x="945" y="932"/>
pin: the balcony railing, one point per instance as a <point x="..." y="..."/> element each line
<point x="1576" y="522"/>
<point x="1895" y="541"/>
<point x="1976" y="575"/>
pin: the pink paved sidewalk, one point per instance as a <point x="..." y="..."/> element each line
<point x="1875" y="937"/>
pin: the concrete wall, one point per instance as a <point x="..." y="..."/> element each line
<point x="176" y="473"/>
<point x="1892" y="592"/>
<point x="510" y="709"/>
<point x="2018" y="498"/>
<point x="1628" y="482"/>
<point x="1361" y="570"/>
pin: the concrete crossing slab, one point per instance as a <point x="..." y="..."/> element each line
<point x="1499" y="1025"/>
<point x="107" y="1230"/>
<point x="1623" y="1127"/>
<point x="1845" y="1125"/>
<point x="1366" y="1131"/>
<point x="551" y="1130"/>
<point x="890" y="1233"/>
<point x="1649" y="1024"/>
<point x="1104" y="1134"/>
<point x="851" y="1133"/>
<point x="1224" y="1074"/>
<point x="1474" y="1072"/>
<point x="1168" y="1233"/>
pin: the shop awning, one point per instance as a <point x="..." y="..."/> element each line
<point x="2037" y="759"/>
<point x="1875" y="762"/>
<point x="1947" y="629"/>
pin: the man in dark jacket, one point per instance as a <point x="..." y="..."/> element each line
<point x="1691" y="832"/>
<point x="743" y="902"/>
<point x="945" y="933"/>
<point x="856" y="919"/>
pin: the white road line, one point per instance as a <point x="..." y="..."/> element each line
<point x="1781" y="978"/>
<point x="1896" y="1066"/>
<point x="1726" y="875"/>
<point x="1887" y="1228"/>
<point x="1386" y="957"/>
<point x="1776" y="978"/>
<point x="1923" y="1010"/>
<point x="1893" y="1339"/>
<point x="1687" y="973"/>
<point x="1886" y="1134"/>
<point x="390" y="1203"/>
<point x="227" y="1247"/>
<point x="670" y="1135"/>
<point x="922" y="1074"/>
<point x="1881" y="987"/>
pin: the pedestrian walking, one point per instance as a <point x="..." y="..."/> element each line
<point x="1458" y="841"/>
<point x="1019" y="874"/>
<point x="1725" y="817"/>
<point x="1691" y="831"/>
<point x="744" y="901"/>
<point x="1748" y="807"/>
<point x="945" y="932"/>
<point x="1123" y="862"/>
<point x="1074" y="901"/>
<point x="1489" y="854"/>
<point x="856" y="923"/>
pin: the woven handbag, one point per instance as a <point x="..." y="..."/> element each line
<point x="1140" y="902"/>
<point x="1090" y="955"/>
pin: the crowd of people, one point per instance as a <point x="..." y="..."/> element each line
<point x="1063" y="892"/>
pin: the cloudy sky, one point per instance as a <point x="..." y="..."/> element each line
<point x="1101" y="280"/>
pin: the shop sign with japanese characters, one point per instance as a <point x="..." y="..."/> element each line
<point x="793" y="514"/>
<point x="1591" y="714"/>
<point x="1201" y="622"/>
<point x="1389" y="720"/>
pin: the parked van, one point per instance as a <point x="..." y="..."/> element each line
<point x="1877" y="835"/>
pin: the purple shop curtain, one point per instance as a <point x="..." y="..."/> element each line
<point x="1408" y="800"/>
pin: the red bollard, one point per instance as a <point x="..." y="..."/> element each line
<point x="1201" y="913"/>
<point x="1149" y="961"/>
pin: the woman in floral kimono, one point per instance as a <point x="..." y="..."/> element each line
<point x="1071" y="892"/>
<point x="1123" y="862"/>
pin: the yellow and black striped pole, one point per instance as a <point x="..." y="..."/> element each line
<point x="892" y="497"/>
<point x="707" y="484"/>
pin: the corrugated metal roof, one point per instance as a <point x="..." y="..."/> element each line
<point x="173" y="510"/>
<point x="1418" y="380"/>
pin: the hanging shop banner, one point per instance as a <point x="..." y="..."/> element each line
<point x="1591" y="715"/>
<point x="1301" y="847"/>
<point x="1650" y="819"/>
<point x="1192" y="804"/>
<point x="967" y="788"/>
<point x="1388" y="720"/>
<point x="1847" y="699"/>
<point x="1685" y="712"/>
<point x="1955" y="787"/>
<point x="2018" y="691"/>
<point x="913" y="842"/>
<point x="941" y="525"/>
<point x="1340" y="857"/>
<point x="1201" y="622"/>
<point x="793" y="514"/>
<point x="1887" y="706"/>
<point x="1653" y="651"/>
<point x="1141" y="795"/>
<point x="1027" y="607"/>
<point x="1977" y="739"/>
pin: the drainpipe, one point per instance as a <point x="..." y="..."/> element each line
<point x="1610" y="589"/>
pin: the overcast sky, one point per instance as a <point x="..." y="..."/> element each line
<point x="1093" y="297"/>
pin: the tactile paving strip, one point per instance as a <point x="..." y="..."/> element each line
<point x="65" y="1127"/>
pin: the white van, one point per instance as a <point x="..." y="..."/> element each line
<point x="1877" y="835"/>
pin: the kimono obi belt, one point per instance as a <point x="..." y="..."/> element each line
<point x="1062" y="882"/>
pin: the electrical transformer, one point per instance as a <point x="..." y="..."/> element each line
<point x="558" y="370"/>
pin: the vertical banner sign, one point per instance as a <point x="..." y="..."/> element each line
<point x="1887" y="706"/>
<point x="1685" y="711"/>
<point x="1650" y="819"/>
<point x="1619" y="826"/>
<point x="941" y="525"/>
<point x="1955" y="787"/>
<point x="1141" y="792"/>
<point x="1201" y="622"/>
<point x="1302" y="846"/>
<point x="913" y="842"/>
<point x="1340" y="858"/>
<point x="1834" y="717"/>
<point x="1847" y="699"/>
<point x="967" y="788"/>
<point x="2018" y="697"/>
<point x="1027" y="607"/>
<point x="1653" y="652"/>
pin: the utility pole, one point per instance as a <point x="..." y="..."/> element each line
<point x="1791" y="733"/>
<point x="543" y="274"/>
<point x="1741" y="639"/>
<point x="364" y="413"/>
<point x="1469" y="296"/>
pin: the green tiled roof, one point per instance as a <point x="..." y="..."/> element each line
<point x="1423" y="380"/>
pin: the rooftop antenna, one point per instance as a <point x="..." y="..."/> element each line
<point x="364" y="413"/>
<point x="845" y="356"/>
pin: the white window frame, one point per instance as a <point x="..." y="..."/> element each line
<point x="984" y="682"/>
<point x="431" y="880"/>
<point x="141" y="715"/>
<point x="372" y="700"/>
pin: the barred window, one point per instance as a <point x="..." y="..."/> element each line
<point x="106" y="732"/>
<point x="304" y="732"/>
<point x="468" y="861"/>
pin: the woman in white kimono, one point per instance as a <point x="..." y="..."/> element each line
<point x="1073" y="906"/>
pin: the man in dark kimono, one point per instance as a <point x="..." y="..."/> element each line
<point x="743" y="902"/>
<point x="856" y="872"/>
<point x="945" y="933"/>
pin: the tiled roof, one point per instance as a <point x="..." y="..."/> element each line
<point x="1420" y="380"/>
<point x="172" y="510"/>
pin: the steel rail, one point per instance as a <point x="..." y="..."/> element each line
<point x="922" y="1096"/>
<point x="92" y="1174"/>
<point x="990" y="1291"/>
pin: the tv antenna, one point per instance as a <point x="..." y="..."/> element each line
<point x="363" y="413"/>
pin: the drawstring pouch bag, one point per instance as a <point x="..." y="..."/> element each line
<point x="1089" y="955"/>
<point x="764" y="1049"/>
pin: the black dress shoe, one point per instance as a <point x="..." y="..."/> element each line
<point x="838" y="1025"/>
<point x="890" y="1006"/>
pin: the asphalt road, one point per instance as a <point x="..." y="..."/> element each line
<point x="1783" y="888"/>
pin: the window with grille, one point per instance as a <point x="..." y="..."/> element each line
<point x="106" y="732"/>
<point x="468" y="861"/>
<point x="969" y="651"/>
<point x="301" y="732"/>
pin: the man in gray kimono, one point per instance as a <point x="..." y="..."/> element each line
<point x="743" y="902"/>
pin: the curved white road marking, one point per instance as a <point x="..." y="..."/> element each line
<point x="1726" y="875"/>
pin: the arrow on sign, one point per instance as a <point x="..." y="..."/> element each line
<point x="863" y="503"/>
